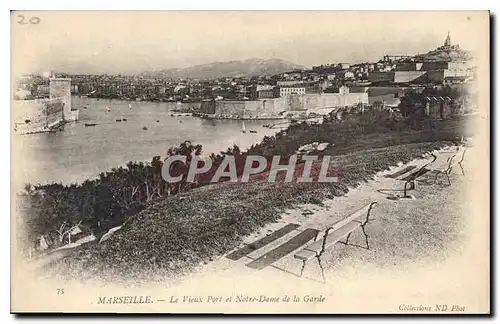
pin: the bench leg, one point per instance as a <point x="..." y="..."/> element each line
<point x="435" y="179"/>
<point x="448" y="177"/>
<point x="303" y="267"/>
<point x="321" y="266"/>
<point x="366" y="237"/>
<point x="412" y="186"/>
<point x="347" y="239"/>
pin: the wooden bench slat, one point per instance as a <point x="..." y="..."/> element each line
<point x="284" y="249"/>
<point x="443" y="162"/>
<point x="305" y="255"/>
<point x="401" y="172"/>
<point x="409" y="173"/>
<point x="338" y="230"/>
<point x="360" y="213"/>
<point x="416" y="175"/>
<point x="249" y="248"/>
<point x="334" y="237"/>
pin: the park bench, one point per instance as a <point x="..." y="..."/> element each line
<point x="446" y="161"/>
<point x="442" y="163"/>
<point x="411" y="178"/>
<point x="334" y="234"/>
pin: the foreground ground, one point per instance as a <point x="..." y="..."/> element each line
<point x="178" y="234"/>
<point x="174" y="236"/>
<point x="423" y="251"/>
<point x="403" y="234"/>
<point x="427" y="251"/>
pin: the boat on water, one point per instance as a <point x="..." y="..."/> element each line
<point x="145" y="128"/>
<point x="253" y="131"/>
<point x="130" y="106"/>
<point x="118" y="120"/>
<point x="89" y="124"/>
<point x="177" y="114"/>
<point x="124" y="119"/>
<point x="107" y="108"/>
<point x="243" y="129"/>
<point x="50" y="131"/>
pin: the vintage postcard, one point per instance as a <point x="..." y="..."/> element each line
<point x="250" y="162"/>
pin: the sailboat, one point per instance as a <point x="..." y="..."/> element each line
<point x="107" y="108"/>
<point x="130" y="106"/>
<point x="243" y="129"/>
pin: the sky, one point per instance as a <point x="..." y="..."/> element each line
<point x="130" y="42"/>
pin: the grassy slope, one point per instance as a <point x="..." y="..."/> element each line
<point x="174" y="234"/>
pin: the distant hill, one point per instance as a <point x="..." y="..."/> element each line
<point x="449" y="55"/>
<point x="244" y="68"/>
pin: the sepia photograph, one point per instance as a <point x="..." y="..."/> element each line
<point x="250" y="162"/>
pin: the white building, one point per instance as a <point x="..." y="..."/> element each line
<point x="289" y="82"/>
<point x="284" y="91"/>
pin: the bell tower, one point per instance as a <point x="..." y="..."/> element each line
<point x="447" y="42"/>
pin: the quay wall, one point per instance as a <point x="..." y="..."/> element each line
<point x="274" y="107"/>
<point x="332" y="100"/>
<point x="39" y="113"/>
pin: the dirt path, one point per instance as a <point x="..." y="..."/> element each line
<point x="405" y="236"/>
<point x="417" y="246"/>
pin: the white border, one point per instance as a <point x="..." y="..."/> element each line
<point x="184" y="5"/>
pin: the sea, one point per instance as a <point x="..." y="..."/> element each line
<point x="77" y="152"/>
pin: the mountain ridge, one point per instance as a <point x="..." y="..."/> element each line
<point x="236" y="68"/>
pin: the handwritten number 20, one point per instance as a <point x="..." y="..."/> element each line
<point x="33" y="20"/>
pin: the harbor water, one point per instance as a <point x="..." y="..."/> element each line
<point x="81" y="152"/>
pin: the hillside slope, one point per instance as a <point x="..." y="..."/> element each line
<point x="244" y="68"/>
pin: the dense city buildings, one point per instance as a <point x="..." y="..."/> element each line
<point x="322" y="88"/>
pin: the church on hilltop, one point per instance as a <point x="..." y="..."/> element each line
<point x="446" y="65"/>
<point x="447" y="45"/>
<point x="448" y="52"/>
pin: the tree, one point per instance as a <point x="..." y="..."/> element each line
<point x="178" y="168"/>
